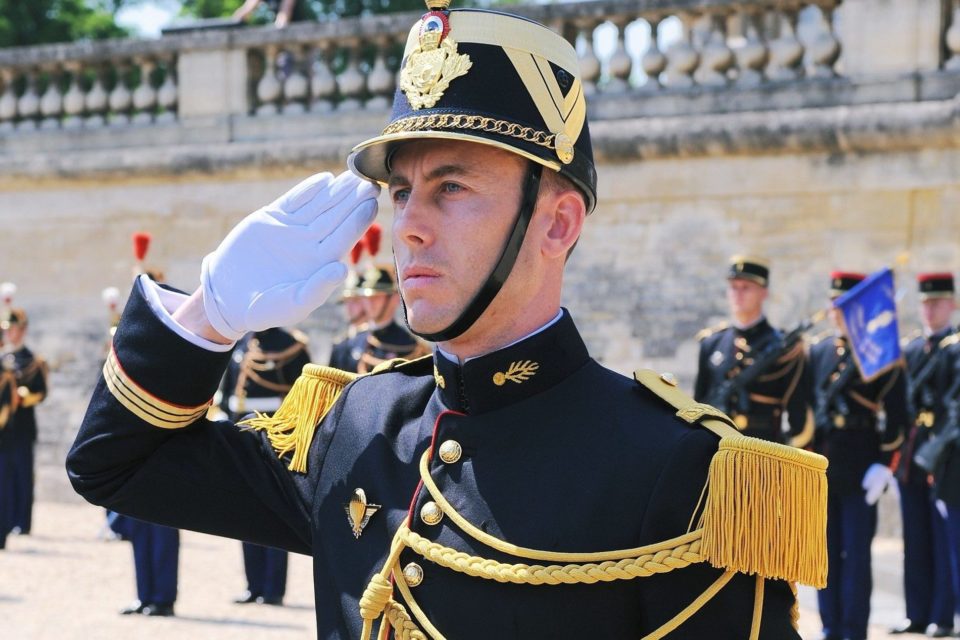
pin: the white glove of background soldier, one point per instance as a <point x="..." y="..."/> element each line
<point x="283" y="261"/>
<point x="875" y="481"/>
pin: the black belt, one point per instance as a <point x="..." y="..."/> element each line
<point x="853" y="422"/>
<point x="756" y="421"/>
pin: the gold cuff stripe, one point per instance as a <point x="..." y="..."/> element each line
<point x="471" y="123"/>
<point x="142" y="404"/>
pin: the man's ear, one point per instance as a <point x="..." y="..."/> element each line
<point x="567" y="211"/>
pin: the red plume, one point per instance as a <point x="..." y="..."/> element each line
<point x="141" y="242"/>
<point x="357" y="251"/>
<point x="372" y="238"/>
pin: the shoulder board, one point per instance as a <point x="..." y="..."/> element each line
<point x="709" y="331"/>
<point x="910" y="337"/>
<point x="417" y="366"/>
<point x="290" y="429"/>
<point x="952" y="339"/>
<point x="821" y="336"/>
<point x="766" y="506"/>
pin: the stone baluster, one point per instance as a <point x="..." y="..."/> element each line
<point x="167" y="92"/>
<point x="145" y="96"/>
<point x="269" y="87"/>
<point x="51" y="102"/>
<point x="653" y="60"/>
<point x="28" y="105"/>
<point x="296" y="87"/>
<point x="620" y="64"/>
<point x="73" y="98"/>
<point x="824" y="49"/>
<point x="352" y="82"/>
<point x="121" y="99"/>
<point x="786" y="52"/>
<point x="682" y="58"/>
<point x="952" y="40"/>
<point x="381" y="81"/>
<point x="96" y="101"/>
<point x="8" y="100"/>
<point x="323" y="84"/>
<point x="717" y="58"/>
<point x="589" y="62"/>
<point x="751" y="54"/>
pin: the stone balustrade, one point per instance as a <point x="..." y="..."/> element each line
<point x="638" y="59"/>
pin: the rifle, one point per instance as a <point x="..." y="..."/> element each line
<point x="917" y="380"/>
<point x="825" y="399"/>
<point x="931" y="455"/>
<point x="722" y="395"/>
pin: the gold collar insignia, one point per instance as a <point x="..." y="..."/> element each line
<point x="518" y="372"/>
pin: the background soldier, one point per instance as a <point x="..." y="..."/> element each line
<point x="848" y="433"/>
<point x="382" y="338"/>
<point x="30" y="372"/>
<point x="928" y="588"/>
<point x="8" y="406"/>
<point x="262" y="369"/>
<point x="731" y="349"/>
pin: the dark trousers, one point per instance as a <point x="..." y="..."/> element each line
<point x="927" y="582"/>
<point x="156" y="554"/>
<point x="953" y="542"/>
<point x="6" y="501"/>
<point x="845" y="602"/>
<point x="21" y="491"/>
<point x="266" y="570"/>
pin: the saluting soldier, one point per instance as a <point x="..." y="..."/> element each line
<point x="508" y="486"/>
<point x="927" y="585"/>
<point x="262" y="370"/>
<point x="30" y="372"/>
<point x="381" y="338"/>
<point x="859" y="447"/>
<point x="727" y="351"/>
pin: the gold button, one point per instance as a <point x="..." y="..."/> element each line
<point x="669" y="378"/>
<point x="413" y="574"/>
<point x="450" y="451"/>
<point x="430" y="513"/>
<point x="739" y="355"/>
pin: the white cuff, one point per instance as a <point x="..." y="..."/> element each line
<point x="164" y="302"/>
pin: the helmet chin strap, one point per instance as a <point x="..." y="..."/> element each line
<point x="501" y="271"/>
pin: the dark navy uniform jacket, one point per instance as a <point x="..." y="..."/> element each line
<point x="782" y="388"/>
<point x="571" y="457"/>
<point x="30" y="373"/>
<point x="923" y="354"/>
<point x="263" y="367"/>
<point x="948" y="481"/>
<point x="366" y="349"/>
<point x="854" y="442"/>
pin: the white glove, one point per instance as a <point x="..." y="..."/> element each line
<point x="942" y="508"/>
<point x="283" y="261"/>
<point x="875" y="481"/>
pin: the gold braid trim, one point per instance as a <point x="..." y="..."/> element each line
<point x="472" y="123"/>
<point x="402" y="623"/>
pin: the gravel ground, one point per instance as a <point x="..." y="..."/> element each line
<point x="63" y="582"/>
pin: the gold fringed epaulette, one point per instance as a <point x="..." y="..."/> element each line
<point x="703" y="334"/>
<point x="951" y="339"/>
<point x="291" y="427"/>
<point x="766" y="506"/>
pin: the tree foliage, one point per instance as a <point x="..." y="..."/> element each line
<point x="28" y="22"/>
<point x="320" y="8"/>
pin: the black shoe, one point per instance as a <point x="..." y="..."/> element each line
<point x="135" y="607"/>
<point x="276" y="601"/>
<point x="164" y="610"/>
<point x="907" y="626"/>
<point x="936" y="631"/>
<point x="245" y="598"/>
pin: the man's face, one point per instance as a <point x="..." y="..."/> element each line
<point x="354" y="310"/>
<point x="745" y="297"/>
<point x="380" y="307"/>
<point x="454" y="204"/>
<point x="935" y="313"/>
<point x="13" y="335"/>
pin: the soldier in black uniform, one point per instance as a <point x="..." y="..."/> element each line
<point x="30" y="372"/>
<point x="727" y="350"/>
<point x="8" y="406"/>
<point x="382" y="338"/>
<point x="508" y="486"/>
<point x="262" y="370"/>
<point x="859" y="447"/>
<point x="928" y="589"/>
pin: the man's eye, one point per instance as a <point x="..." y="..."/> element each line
<point x="401" y="195"/>
<point x="451" y="187"/>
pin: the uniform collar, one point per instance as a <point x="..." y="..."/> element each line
<point x="513" y="373"/>
<point x="758" y="326"/>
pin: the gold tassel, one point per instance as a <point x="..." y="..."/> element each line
<point x="766" y="511"/>
<point x="291" y="427"/>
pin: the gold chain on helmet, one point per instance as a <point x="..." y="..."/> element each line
<point x="472" y="122"/>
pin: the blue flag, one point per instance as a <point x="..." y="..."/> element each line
<point x="870" y="312"/>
